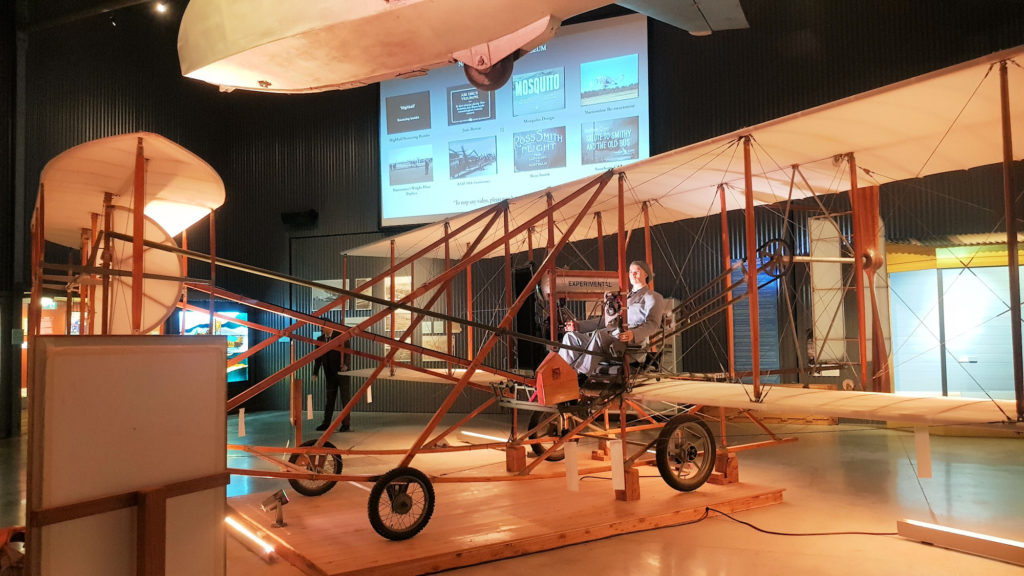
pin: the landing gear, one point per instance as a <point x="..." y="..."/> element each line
<point x="556" y="428"/>
<point x="318" y="464"/>
<point x="401" y="503"/>
<point x="490" y="79"/>
<point x="685" y="452"/>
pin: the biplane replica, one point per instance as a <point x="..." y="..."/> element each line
<point x="230" y="45"/>
<point x="131" y="276"/>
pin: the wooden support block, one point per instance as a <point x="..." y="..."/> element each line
<point x="515" y="458"/>
<point x="602" y="453"/>
<point x="632" y="491"/>
<point x="727" y="469"/>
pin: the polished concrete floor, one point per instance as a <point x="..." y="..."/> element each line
<point x="838" y="479"/>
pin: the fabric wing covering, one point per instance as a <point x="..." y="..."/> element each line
<point x="181" y="188"/>
<point x="939" y="122"/>
<point x="926" y="411"/>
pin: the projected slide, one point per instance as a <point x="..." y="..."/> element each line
<point x="471" y="158"/>
<point x="467" y="104"/>
<point x="540" y="149"/>
<point x="609" y="80"/>
<point x="535" y="92"/>
<point x="610" y="141"/>
<point x="574" y="107"/>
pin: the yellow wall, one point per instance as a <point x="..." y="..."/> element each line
<point x="905" y="258"/>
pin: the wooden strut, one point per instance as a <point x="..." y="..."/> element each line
<point x="138" y="232"/>
<point x="471" y="256"/>
<point x="508" y="286"/>
<point x="468" y="260"/>
<point x="552" y="302"/>
<point x="391" y="368"/>
<point x="727" y="265"/>
<point x="1013" y="263"/>
<point x="751" y="241"/>
<point x="389" y="358"/>
<point x="213" y="266"/>
<point x="858" y="270"/>
<point x="312" y="320"/>
<point x="506" y="322"/>
<point x="345" y="294"/>
<point x="449" y="306"/>
<point x="108" y="245"/>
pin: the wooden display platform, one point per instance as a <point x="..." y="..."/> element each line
<point x="476" y="522"/>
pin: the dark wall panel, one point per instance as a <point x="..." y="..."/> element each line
<point x="8" y="87"/>
<point x="802" y="53"/>
<point x="10" y="297"/>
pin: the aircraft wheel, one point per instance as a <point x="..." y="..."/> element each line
<point x="319" y="464"/>
<point x="401" y="503"/>
<point x="492" y="78"/>
<point x="554" y="428"/>
<point x="685" y="452"/>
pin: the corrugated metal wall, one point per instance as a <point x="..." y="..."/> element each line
<point x="801" y="53"/>
<point x="280" y="154"/>
<point x="10" y="296"/>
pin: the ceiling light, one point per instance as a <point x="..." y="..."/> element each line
<point x="161" y="7"/>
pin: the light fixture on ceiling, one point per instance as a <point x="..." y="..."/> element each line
<point x="161" y="7"/>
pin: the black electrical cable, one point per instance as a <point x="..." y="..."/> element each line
<point x="845" y="533"/>
<point x="708" y="510"/>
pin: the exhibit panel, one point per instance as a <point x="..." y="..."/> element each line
<point x="125" y="445"/>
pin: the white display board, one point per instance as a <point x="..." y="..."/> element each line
<point x="117" y="414"/>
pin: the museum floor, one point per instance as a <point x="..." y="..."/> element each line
<point x="846" y="478"/>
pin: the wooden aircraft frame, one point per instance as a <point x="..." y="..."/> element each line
<point x="316" y="465"/>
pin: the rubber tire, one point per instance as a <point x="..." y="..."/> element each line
<point x="492" y="78"/>
<point x="554" y="429"/>
<point x="315" y="487"/>
<point x="685" y="443"/>
<point x="399" y="504"/>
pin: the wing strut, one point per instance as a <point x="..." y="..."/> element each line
<point x="1011" y="240"/>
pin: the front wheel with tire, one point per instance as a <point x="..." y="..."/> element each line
<point x="317" y="464"/>
<point x="685" y="452"/>
<point x="401" y="503"/>
<point x="492" y="78"/>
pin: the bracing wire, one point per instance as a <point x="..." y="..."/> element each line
<point x="955" y="120"/>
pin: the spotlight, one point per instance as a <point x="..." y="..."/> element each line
<point x="250" y="540"/>
<point x="161" y="7"/>
<point x="276" y="501"/>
